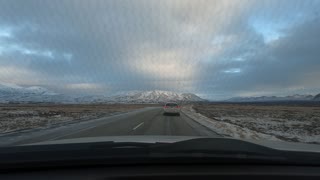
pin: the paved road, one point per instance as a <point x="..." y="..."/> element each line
<point x="151" y="122"/>
<point x="148" y="121"/>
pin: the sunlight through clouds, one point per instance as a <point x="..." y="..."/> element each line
<point x="210" y="47"/>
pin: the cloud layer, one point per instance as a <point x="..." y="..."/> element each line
<point x="216" y="49"/>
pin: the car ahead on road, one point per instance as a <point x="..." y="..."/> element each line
<point x="171" y="108"/>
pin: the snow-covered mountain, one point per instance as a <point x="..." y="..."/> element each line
<point x="317" y="97"/>
<point x="18" y="94"/>
<point x="296" y="97"/>
<point x="6" y="88"/>
<point x="155" y="96"/>
<point x="39" y="90"/>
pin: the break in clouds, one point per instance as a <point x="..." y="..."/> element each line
<point x="216" y="49"/>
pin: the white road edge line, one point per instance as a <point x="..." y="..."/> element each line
<point x="138" y="126"/>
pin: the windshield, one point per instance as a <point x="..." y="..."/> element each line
<point x="154" y="71"/>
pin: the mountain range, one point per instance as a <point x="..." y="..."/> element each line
<point x="18" y="94"/>
<point x="155" y="96"/>
<point x="11" y="93"/>
<point x="296" y="97"/>
<point x="317" y="97"/>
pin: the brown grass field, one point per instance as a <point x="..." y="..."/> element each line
<point x="292" y="122"/>
<point x="15" y="117"/>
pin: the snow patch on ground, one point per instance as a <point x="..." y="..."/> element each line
<point x="291" y="130"/>
<point x="227" y="129"/>
<point x="287" y="122"/>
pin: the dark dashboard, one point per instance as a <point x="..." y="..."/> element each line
<point x="178" y="171"/>
<point x="205" y="158"/>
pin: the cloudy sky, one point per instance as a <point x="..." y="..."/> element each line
<point x="216" y="49"/>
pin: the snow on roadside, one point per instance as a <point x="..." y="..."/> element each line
<point x="226" y="129"/>
<point x="292" y="130"/>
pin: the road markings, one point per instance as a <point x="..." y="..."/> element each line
<point x="138" y="126"/>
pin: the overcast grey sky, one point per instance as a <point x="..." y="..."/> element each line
<point x="216" y="49"/>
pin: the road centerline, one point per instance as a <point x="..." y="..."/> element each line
<point x="136" y="127"/>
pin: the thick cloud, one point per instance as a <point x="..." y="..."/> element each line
<point x="217" y="49"/>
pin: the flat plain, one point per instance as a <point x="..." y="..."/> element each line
<point x="293" y="121"/>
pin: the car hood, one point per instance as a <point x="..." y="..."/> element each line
<point x="279" y="145"/>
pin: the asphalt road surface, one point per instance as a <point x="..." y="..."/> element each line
<point x="147" y="121"/>
<point x="151" y="122"/>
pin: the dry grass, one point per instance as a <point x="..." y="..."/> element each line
<point x="292" y="122"/>
<point x="16" y="117"/>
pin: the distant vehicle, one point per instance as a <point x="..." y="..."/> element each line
<point x="171" y="108"/>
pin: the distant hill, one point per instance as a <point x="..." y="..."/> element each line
<point x="317" y="97"/>
<point x="11" y="93"/>
<point x="296" y="97"/>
